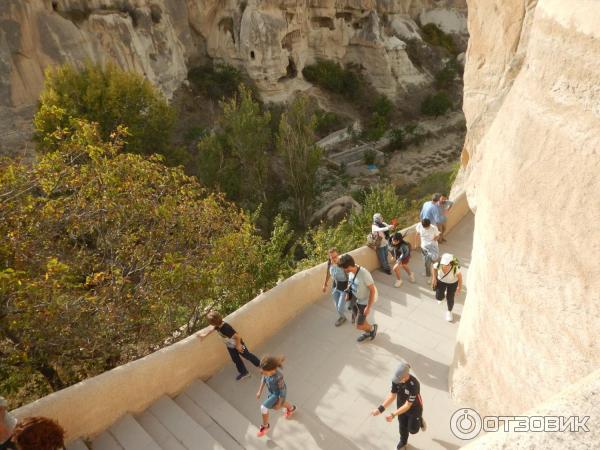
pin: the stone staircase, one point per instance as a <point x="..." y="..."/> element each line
<point x="196" y="419"/>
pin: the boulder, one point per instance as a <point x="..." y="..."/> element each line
<point x="335" y="211"/>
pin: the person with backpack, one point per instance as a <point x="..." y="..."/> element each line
<point x="406" y="390"/>
<point x="234" y="343"/>
<point x="362" y="287"/>
<point x="446" y="279"/>
<point x="340" y="284"/>
<point x="400" y="250"/>
<point x="380" y="234"/>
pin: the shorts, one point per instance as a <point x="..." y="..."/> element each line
<point x="404" y="260"/>
<point x="273" y="398"/>
<point x="359" y="310"/>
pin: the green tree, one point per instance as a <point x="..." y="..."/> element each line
<point x="436" y="105"/>
<point x="110" y="97"/>
<point x="110" y="255"/>
<point x="235" y="156"/>
<point x="301" y="157"/>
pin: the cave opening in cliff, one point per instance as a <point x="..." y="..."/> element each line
<point x="252" y="55"/>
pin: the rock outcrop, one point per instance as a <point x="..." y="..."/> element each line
<point x="271" y="40"/>
<point x="530" y="169"/>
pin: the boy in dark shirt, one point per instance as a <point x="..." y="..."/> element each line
<point x="406" y="391"/>
<point x="234" y="343"/>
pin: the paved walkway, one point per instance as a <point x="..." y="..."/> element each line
<point x="336" y="381"/>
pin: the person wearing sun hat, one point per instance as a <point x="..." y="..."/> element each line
<point x="7" y="426"/>
<point x="409" y="405"/>
<point x="446" y="279"/>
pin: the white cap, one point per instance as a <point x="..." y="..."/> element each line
<point x="446" y="259"/>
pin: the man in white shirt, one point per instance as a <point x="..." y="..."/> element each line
<point x="429" y="243"/>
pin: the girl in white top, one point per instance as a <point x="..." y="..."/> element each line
<point x="446" y="279"/>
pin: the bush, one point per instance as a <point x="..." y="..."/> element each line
<point x="331" y="76"/>
<point x="445" y="77"/>
<point x="369" y="157"/>
<point x="381" y="114"/>
<point x="216" y="82"/>
<point x="436" y="105"/>
<point x="327" y="122"/>
<point x="434" y="36"/>
<point x="110" y="97"/>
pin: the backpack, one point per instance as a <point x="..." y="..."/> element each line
<point x="374" y="240"/>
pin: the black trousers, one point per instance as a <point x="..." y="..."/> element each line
<point x="409" y="423"/>
<point x="446" y="290"/>
<point x="236" y="357"/>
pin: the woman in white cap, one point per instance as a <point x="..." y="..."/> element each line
<point x="446" y="279"/>
<point x="409" y="405"/>
<point x="7" y="426"/>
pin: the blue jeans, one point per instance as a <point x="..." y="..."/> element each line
<point x="339" y="301"/>
<point x="382" y="255"/>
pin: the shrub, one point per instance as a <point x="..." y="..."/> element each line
<point x="327" y="122"/>
<point x="110" y="97"/>
<point x="445" y="77"/>
<point x="369" y="157"/>
<point x="216" y="82"/>
<point x="331" y="76"/>
<point x="434" y="36"/>
<point x="436" y="105"/>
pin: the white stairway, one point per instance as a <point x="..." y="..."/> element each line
<point x="197" y="419"/>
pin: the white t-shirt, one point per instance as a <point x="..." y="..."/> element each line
<point x="449" y="278"/>
<point x="427" y="234"/>
<point x="360" y="285"/>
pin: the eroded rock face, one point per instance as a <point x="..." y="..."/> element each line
<point x="272" y="40"/>
<point x="530" y="168"/>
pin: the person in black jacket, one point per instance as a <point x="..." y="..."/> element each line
<point x="233" y="341"/>
<point x="400" y="250"/>
<point x="409" y="405"/>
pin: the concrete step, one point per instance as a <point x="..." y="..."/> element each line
<point x="227" y="417"/>
<point x="77" y="445"/>
<point x="191" y="435"/>
<point x="206" y="422"/>
<point x="131" y="435"/>
<point x="105" y="441"/>
<point x="159" y="433"/>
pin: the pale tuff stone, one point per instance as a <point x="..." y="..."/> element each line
<point x="530" y="168"/>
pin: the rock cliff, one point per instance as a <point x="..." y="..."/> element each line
<point x="271" y="40"/>
<point x="530" y="169"/>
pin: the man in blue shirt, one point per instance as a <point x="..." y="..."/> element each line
<point x="432" y="211"/>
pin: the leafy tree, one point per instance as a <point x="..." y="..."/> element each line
<point x="301" y="157"/>
<point x="110" y="97"/>
<point x="235" y="157"/>
<point x="110" y="255"/>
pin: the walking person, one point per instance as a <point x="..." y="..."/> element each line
<point x="273" y="379"/>
<point x="383" y="231"/>
<point x="362" y="287"/>
<point x="444" y="205"/>
<point x="340" y="284"/>
<point x="446" y="279"/>
<point x="431" y="210"/>
<point x="234" y="343"/>
<point x="429" y="235"/>
<point x="409" y="405"/>
<point x="400" y="250"/>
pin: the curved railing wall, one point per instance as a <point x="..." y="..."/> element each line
<point x="92" y="405"/>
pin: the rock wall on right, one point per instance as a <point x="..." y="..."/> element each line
<point x="531" y="170"/>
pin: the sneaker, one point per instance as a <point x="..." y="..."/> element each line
<point x="363" y="336"/>
<point x="373" y="332"/>
<point x="340" y="321"/>
<point x="411" y="277"/>
<point x="263" y="430"/>
<point x="449" y="316"/>
<point x="423" y="425"/>
<point x="289" y="412"/>
<point x="439" y="302"/>
<point x="241" y="376"/>
<point x="401" y="448"/>
<point x="398" y="283"/>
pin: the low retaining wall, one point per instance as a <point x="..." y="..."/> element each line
<point x="92" y="405"/>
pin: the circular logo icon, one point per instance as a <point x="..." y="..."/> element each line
<point x="465" y="423"/>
